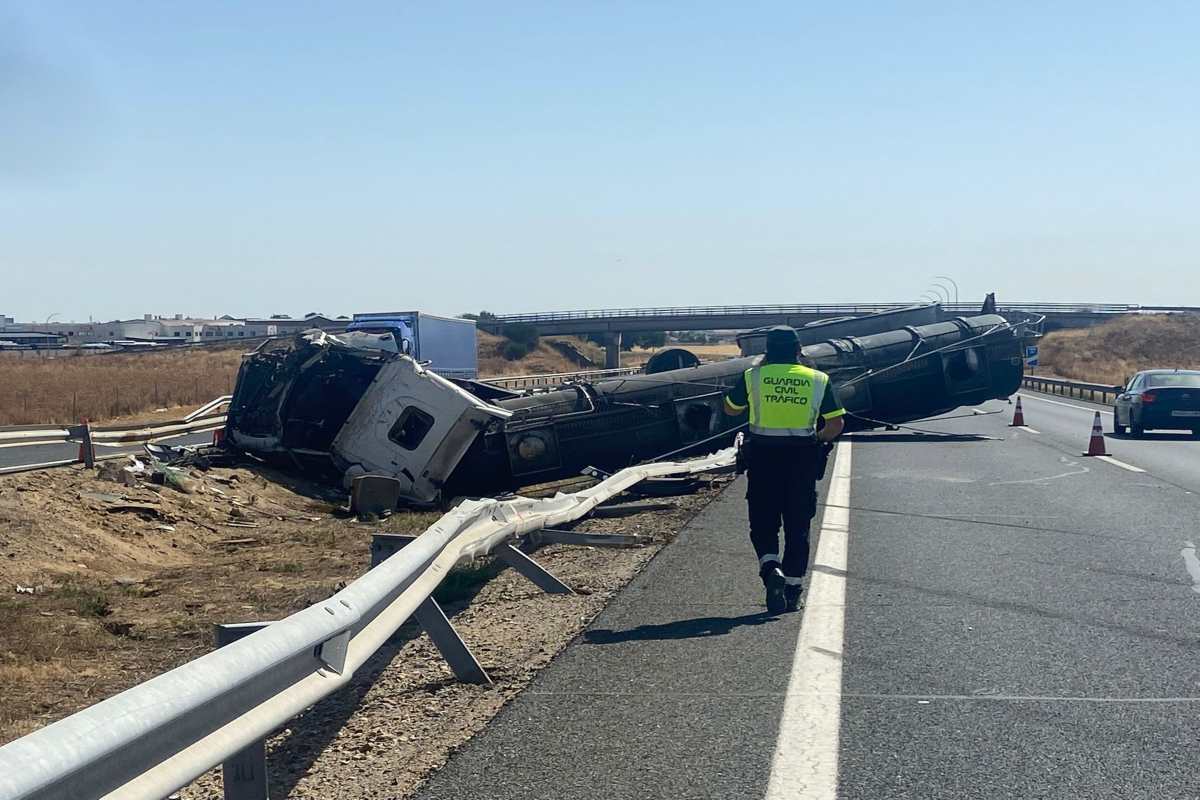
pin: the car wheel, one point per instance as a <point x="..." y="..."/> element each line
<point x="1135" y="429"/>
<point x="1118" y="428"/>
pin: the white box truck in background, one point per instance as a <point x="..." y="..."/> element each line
<point x="447" y="343"/>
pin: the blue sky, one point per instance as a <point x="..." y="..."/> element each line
<point x="270" y="157"/>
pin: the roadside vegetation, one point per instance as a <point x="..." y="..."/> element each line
<point x="64" y="388"/>
<point x="1110" y="353"/>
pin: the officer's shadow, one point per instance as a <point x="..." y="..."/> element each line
<point x="696" y="628"/>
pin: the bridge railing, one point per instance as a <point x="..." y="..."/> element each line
<point x="831" y="309"/>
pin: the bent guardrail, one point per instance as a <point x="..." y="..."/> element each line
<point x="161" y="735"/>
<point x="1067" y="388"/>
<point x="556" y="378"/>
<point x="201" y="420"/>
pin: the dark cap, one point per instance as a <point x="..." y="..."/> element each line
<point x="781" y="343"/>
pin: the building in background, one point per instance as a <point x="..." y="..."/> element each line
<point x="30" y="340"/>
<point x="289" y="325"/>
<point x="175" y="329"/>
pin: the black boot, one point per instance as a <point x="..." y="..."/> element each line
<point x="774" y="581"/>
<point x="791" y="594"/>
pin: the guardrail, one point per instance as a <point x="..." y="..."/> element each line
<point x="832" y="309"/>
<point x="159" y="736"/>
<point x="1067" y="388"/>
<point x="556" y="378"/>
<point x="199" y="421"/>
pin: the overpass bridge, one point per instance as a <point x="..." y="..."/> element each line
<point x="613" y="322"/>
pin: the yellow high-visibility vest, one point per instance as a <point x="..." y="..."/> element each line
<point x="785" y="399"/>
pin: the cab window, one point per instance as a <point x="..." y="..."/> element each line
<point x="410" y="429"/>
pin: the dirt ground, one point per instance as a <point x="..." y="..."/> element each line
<point x="126" y="583"/>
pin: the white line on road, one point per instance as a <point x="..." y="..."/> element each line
<point x="805" y="764"/>
<point x="1120" y="464"/>
<point x="1047" y="478"/>
<point x="1068" y="405"/>
<point x="1191" y="564"/>
<point x="1028" y="429"/>
<point x="986" y="698"/>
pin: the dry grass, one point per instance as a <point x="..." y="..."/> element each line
<point x="1112" y="352"/>
<point x="544" y="359"/>
<point x="714" y="352"/>
<point x="66" y="388"/>
<point x="44" y="642"/>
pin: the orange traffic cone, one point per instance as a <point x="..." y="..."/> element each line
<point x="1018" y="416"/>
<point x="1096" y="443"/>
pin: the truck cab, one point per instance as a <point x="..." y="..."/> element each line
<point x="445" y="345"/>
<point x="393" y="335"/>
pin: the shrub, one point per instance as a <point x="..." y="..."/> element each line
<point x="514" y="351"/>
<point x="644" y="339"/>
<point x="523" y="334"/>
<point x="88" y="601"/>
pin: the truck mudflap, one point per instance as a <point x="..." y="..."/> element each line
<point x="413" y="424"/>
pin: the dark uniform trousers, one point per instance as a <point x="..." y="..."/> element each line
<point x="782" y="479"/>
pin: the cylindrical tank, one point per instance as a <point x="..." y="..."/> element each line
<point x="888" y="377"/>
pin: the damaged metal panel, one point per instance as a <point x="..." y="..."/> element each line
<point x="413" y="424"/>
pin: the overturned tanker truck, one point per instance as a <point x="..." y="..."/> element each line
<point x="322" y="406"/>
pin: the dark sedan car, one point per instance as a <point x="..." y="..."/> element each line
<point x="1159" y="398"/>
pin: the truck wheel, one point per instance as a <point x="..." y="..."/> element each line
<point x="1118" y="428"/>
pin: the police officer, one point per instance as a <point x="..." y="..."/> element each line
<point x="794" y="414"/>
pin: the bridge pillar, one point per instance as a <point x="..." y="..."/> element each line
<point x="612" y="350"/>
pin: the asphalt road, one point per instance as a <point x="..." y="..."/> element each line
<point x="41" y="454"/>
<point x="1009" y="620"/>
<point x="1170" y="455"/>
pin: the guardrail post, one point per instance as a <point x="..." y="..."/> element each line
<point x="433" y="619"/>
<point x="532" y="570"/>
<point x="244" y="774"/>
<point x="87" y="450"/>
